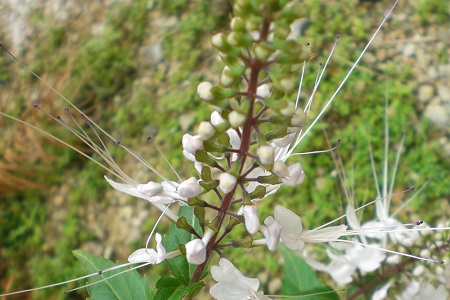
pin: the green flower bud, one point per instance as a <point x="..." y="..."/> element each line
<point x="236" y="119"/>
<point x="262" y="53"/>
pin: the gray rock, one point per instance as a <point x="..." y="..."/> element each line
<point x="409" y="50"/>
<point x="443" y="92"/>
<point x="437" y="114"/>
<point x="426" y="92"/>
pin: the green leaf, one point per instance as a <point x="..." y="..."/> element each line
<point x="300" y="279"/>
<point x="179" y="266"/>
<point x="170" y="288"/>
<point x="128" y="285"/>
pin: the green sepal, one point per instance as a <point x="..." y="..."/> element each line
<point x="182" y="223"/>
<point x="270" y="179"/>
<point x="209" y="185"/>
<point x="199" y="212"/>
<point x="224" y="139"/>
<point x="246" y="199"/>
<point x="206" y="174"/>
<point x="278" y="132"/>
<point x="221" y="93"/>
<point x="210" y="146"/>
<point x="279" y="120"/>
<point x="258" y="193"/>
<point x="214" y="225"/>
<point x="222" y="127"/>
<point x="197" y="202"/>
<point x="233" y="222"/>
<point x="244" y="243"/>
<point x="202" y="156"/>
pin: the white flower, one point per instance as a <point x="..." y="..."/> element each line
<point x="189" y="188"/>
<point x="284" y="141"/>
<point x="151" y="256"/>
<point x="266" y="154"/>
<point x="150" y="189"/>
<point x="272" y="232"/>
<point x="204" y="91"/>
<point x="294" y="237"/>
<point x="424" y="290"/>
<point x="280" y="169"/>
<point x="381" y="293"/>
<point x="296" y="175"/>
<point x="232" y="285"/>
<point x="160" y="200"/>
<point x="251" y="218"/>
<point x="226" y="182"/>
<point x="166" y="196"/>
<point x="191" y="143"/>
<point x="206" y="130"/>
<point x="196" y="252"/>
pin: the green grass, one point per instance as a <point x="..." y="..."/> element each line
<point x="97" y="73"/>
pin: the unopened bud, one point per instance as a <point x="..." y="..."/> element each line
<point x="287" y="84"/>
<point x="191" y="144"/>
<point x="288" y="110"/>
<point x="204" y="91"/>
<point x="263" y="91"/>
<point x="299" y="118"/>
<point x="226" y="79"/>
<point x="206" y="130"/>
<point x="262" y="53"/>
<point x="266" y="154"/>
<point x="196" y="252"/>
<point x="189" y="188"/>
<point x="227" y="182"/>
<point x="236" y="119"/>
<point x="217" y="40"/>
<point x="150" y="189"/>
<point x="251" y="218"/>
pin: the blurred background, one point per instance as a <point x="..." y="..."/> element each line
<point x="133" y="67"/>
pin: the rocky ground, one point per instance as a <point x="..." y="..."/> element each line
<point x="118" y="224"/>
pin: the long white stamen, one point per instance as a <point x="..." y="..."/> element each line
<point x="346" y="76"/>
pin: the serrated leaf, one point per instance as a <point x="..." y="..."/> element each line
<point x="300" y="279"/>
<point x="128" y="285"/>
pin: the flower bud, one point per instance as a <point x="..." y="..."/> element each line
<point x="204" y="91"/>
<point x="299" y="118"/>
<point x="263" y="91"/>
<point x="251" y="218"/>
<point x="189" y="188"/>
<point x="280" y="169"/>
<point x="237" y="24"/>
<point x="287" y="84"/>
<point x="226" y="79"/>
<point x="236" y="119"/>
<point x="262" y="53"/>
<point x="296" y="175"/>
<point x="226" y="182"/>
<point x="419" y="270"/>
<point x="216" y="118"/>
<point x="150" y="189"/>
<point x="288" y="110"/>
<point x="217" y="40"/>
<point x="191" y="144"/>
<point x="196" y="252"/>
<point x="266" y="154"/>
<point x="206" y="130"/>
